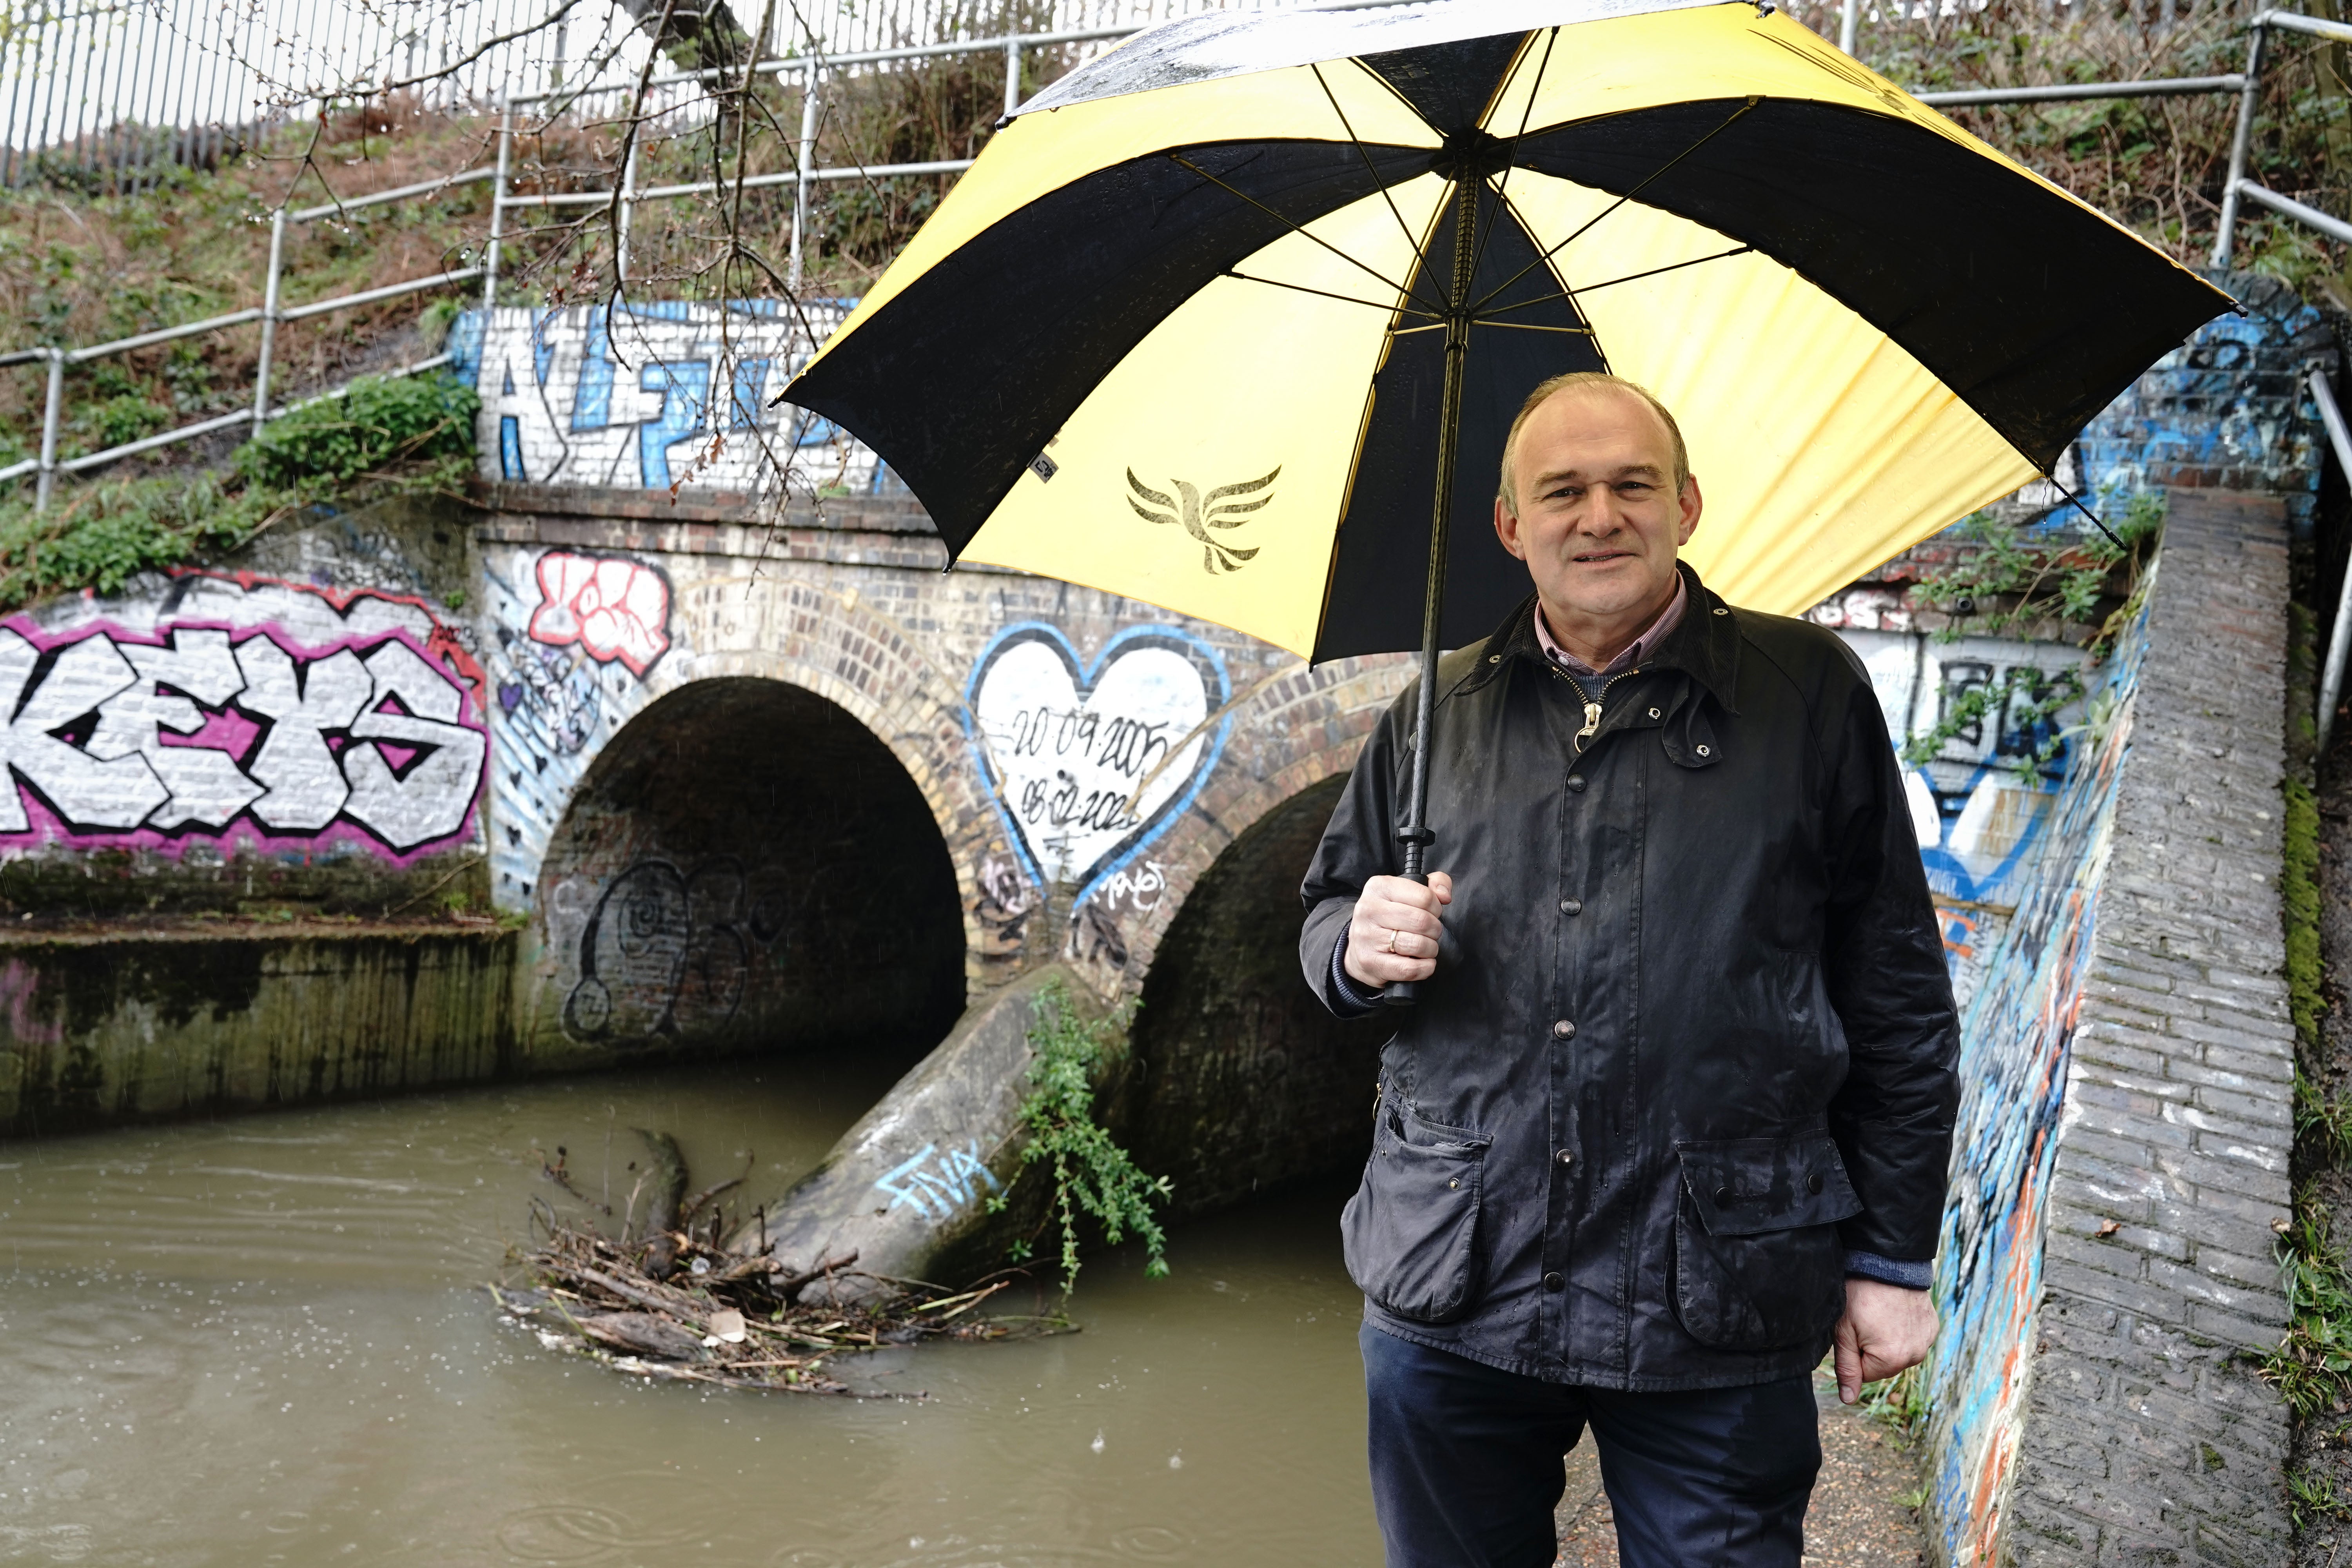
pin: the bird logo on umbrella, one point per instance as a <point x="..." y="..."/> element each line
<point x="1200" y="513"/>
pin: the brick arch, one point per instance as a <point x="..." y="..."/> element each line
<point x="1294" y="730"/>
<point x="830" y="640"/>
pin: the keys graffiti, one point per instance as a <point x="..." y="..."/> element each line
<point x="115" y="739"/>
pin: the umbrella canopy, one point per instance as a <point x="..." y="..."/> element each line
<point x="1181" y="332"/>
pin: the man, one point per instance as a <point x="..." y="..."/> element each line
<point x="1673" y="1111"/>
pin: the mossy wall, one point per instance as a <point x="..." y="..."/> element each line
<point x="101" y="1028"/>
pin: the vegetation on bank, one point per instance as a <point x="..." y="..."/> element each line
<point x="2312" y="1365"/>
<point x="1092" y="1174"/>
<point x="2008" y="579"/>
<point x="378" y="439"/>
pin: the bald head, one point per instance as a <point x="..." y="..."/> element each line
<point x="1582" y="384"/>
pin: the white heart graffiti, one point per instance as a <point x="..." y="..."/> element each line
<point x="1089" y="771"/>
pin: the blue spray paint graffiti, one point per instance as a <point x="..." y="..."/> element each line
<point x="2014" y="1040"/>
<point x="1089" y="765"/>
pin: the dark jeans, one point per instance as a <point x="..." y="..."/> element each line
<point x="1467" y="1465"/>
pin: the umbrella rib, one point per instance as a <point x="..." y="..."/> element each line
<point x="1655" y="175"/>
<point x="1531" y="327"/>
<point x="1629" y="278"/>
<point x="1324" y="293"/>
<point x="1411" y="240"/>
<point x="1184" y="162"/>
<point x="1503" y="186"/>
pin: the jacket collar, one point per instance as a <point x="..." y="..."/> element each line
<point x="1705" y="643"/>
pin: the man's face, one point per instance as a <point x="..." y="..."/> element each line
<point x="1599" y="521"/>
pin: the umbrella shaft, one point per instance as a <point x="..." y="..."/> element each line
<point x="1415" y="833"/>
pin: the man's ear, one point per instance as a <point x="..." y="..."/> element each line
<point x="1693" y="504"/>
<point x="1507" y="529"/>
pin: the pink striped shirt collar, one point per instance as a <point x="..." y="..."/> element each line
<point x="1642" y="649"/>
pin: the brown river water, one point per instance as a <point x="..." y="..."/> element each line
<point x="264" y="1340"/>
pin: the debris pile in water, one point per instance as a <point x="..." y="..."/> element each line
<point x="676" y="1303"/>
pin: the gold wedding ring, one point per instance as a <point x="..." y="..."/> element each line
<point x="1393" y="934"/>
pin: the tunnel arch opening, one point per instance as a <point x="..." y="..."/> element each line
<point x="1247" y="1082"/>
<point x="748" y="869"/>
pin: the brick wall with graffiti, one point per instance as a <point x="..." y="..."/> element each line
<point x="257" y="732"/>
<point x="654" y="396"/>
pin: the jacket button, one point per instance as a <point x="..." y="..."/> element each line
<point x="1814" y="1183"/>
<point x="1564" y="1030"/>
<point x="1568" y="1156"/>
<point x="1572" y="907"/>
<point x="1653" y="713"/>
<point x="1722" y="1196"/>
<point x="1705" y="752"/>
<point x="1552" y="1281"/>
<point x="1576" y="782"/>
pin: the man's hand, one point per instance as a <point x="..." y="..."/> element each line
<point x="1393" y="934"/>
<point x="1885" y="1329"/>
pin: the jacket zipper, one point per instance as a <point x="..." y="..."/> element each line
<point x="1591" y="705"/>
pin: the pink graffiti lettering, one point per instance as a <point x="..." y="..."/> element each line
<point x="118" y="739"/>
<point x="613" y="608"/>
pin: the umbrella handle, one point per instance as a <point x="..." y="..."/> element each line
<point x="1407" y="993"/>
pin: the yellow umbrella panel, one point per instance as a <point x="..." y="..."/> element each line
<point x="1180" y="334"/>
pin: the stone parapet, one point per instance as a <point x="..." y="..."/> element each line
<point x="2146" y="1434"/>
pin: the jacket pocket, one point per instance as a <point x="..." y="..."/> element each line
<point x="1409" y="1233"/>
<point x="1757" y="1263"/>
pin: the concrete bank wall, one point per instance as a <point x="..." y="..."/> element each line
<point x="103" y="1027"/>
<point x="2126" y="1129"/>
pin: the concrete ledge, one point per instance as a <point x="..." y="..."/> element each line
<point x="104" y="1027"/>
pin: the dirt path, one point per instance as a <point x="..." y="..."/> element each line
<point x="1858" y="1517"/>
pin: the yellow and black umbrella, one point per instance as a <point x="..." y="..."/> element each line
<point x="1205" y="323"/>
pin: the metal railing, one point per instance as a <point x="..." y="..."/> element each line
<point x="270" y="314"/>
<point x="2238" y="187"/>
<point x="109" y="93"/>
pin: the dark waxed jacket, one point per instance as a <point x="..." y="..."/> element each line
<point x="1691" y="1036"/>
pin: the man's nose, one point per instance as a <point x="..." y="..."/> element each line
<point x="1602" y="515"/>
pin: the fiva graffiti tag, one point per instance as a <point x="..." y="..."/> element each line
<point x="115" y="739"/>
<point x="938" y="1182"/>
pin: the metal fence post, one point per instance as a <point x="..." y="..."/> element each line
<point x="805" y="164"/>
<point x="1850" y="26"/>
<point x="625" y="198"/>
<point x="2241" y="142"/>
<point x="50" y="417"/>
<point x="1013" y="70"/>
<point x="268" y="320"/>
<point x="498" y="215"/>
<point x="2339" y="639"/>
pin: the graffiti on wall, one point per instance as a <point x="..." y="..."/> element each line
<point x="573" y="636"/>
<point x="659" y="395"/>
<point x="663" y="948"/>
<point x="1982" y="804"/>
<point x="1089" y="766"/>
<point x="2014" y="1042"/>
<point x="242" y="710"/>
